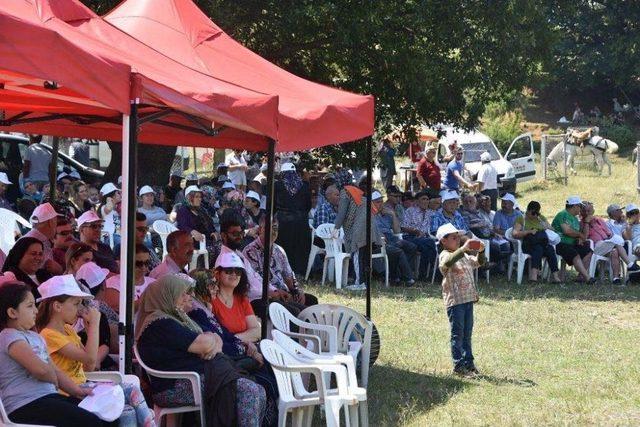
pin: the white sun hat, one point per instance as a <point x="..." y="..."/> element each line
<point x="253" y="195"/>
<point x="145" y="190"/>
<point x="449" y="195"/>
<point x="228" y="259"/>
<point x="228" y="185"/>
<point x="92" y="274"/>
<point x="287" y="167"/>
<point x="508" y="197"/>
<point x="192" y="189"/>
<point x="574" y="200"/>
<point x="5" y="179"/>
<point x="61" y="285"/>
<point x="376" y="195"/>
<point x="447" y="229"/>
<point x="108" y="188"/>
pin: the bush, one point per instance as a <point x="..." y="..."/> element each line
<point x="502" y="128"/>
<point x="620" y="134"/>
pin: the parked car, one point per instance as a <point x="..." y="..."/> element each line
<point x="13" y="147"/>
<point x="517" y="165"/>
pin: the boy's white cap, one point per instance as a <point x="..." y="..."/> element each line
<point x="574" y="200"/>
<point x="447" y="229"/>
<point x="485" y="157"/>
<point x="87" y="217"/>
<point x="228" y="185"/>
<point x="191" y="189"/>
<point x="228" y="259"/>
<point x="61" y="285"/>
<point x="376" y="195"/>
<point x="108" y="188"/>
<point x="145" y="190"/>
<point x="5" y="179"/>
<point x="92" y="274"/>
<point x="253" y="195"/>
<point x="287" y="167"/>
<point x="43" y="213"/>
<point x="632" y="207"/>
<point x="508" y="197"/>
<point x="449" y="195"/>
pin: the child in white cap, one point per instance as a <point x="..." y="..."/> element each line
<point x="60" y="306"/>
<point x="459" y="292"/>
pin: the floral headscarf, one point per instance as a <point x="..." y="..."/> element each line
<point x="292" y="181"/>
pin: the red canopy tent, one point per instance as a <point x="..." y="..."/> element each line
<point x="310" y="115"/>
<point x="186" y="105"/>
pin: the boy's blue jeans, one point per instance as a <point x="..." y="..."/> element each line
<point x="461" y="322"/>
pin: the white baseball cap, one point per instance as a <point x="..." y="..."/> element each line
<point x="43" y="213"/>
<point x="485" y="157"/>
<point x="5" y="179"/>
<point x="108" y="188"/>
<point x="574" y="200"/>
<point x="228" y="259"/>
<point x="228" y="185"/>
<point x="376" y="195"/>
<point x="449" y="195"/>
<point x="192" y="189"/>
<point x="92" y="274"/>
<point x="253" y="195"/>
<point x="145" y="190"/>
<point x="61" y="285"/>
<point x="286" y="167"/>
<point x="88" y="217"/>
<point x="632" y="207"/>
<point x="508" y="197"/>
<point x="447" y="229"/>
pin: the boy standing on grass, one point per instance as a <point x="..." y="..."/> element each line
<point x="459" y="293"/>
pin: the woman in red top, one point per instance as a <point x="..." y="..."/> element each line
<point x="231" y="305"/>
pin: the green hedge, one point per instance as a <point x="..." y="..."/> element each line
<point x="502" y="127"/>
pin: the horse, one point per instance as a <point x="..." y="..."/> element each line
<point x="599" y="147"/>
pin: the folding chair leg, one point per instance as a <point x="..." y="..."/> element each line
<point x="312" y="259"/>
<point x="338" y="268"/>
<point x="324" y="269"/>
<point x="386" y="271"/>
<point x="521" y="264"/>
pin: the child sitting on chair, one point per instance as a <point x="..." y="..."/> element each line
<point x="459" y="293"/>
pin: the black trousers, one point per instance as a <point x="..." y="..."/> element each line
<point x="57" y="410"/>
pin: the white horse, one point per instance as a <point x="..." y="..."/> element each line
<point x="599" y="147"/>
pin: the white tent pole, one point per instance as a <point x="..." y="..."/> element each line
<point x="123" y="244"/>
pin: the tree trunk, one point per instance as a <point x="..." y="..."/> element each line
<point x="154" y="162"/>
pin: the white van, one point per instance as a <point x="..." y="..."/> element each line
<point x="518" y="164"/>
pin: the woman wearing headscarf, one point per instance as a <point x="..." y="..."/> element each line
<point x="245" y="354"/>
<point x="292" y="204"/>
<point x="169" y="340"/>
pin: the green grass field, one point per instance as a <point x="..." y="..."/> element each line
<point x="548" y="354"/>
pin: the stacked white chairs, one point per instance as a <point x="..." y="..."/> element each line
<point x="334" y="252"/>
<point x="192" y="377"/>
<point x="317" y="335"/>
<point x="353" y="331"/>
<point x="294" y="398"/>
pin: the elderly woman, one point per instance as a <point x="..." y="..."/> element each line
<point x="25" y="260"/>
<point x="531" y="229"/>
<point x="194" y="219"/>
<point x="292" y="203"/>
<point x="245" y="354"/>
<point x="169" y="340"/>
<point x="149" y="208"/>
<point x="605" y="243"/>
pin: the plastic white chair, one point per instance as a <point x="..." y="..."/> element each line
<point x="313" y="252"/>
<point x="9" y="221"/>
<point x="200" y="252"/>
<point x="518" y="257"/>
<point x="333" y="251"/>
<point x="383" y="254"/>
<point x="194" y="379"/>
<point x="295" y="398"/>
<point x="354" y="333"/>
<point x="596" y="259"/>
<point x="304" y="355"/>
<point x="164" y="228"/>
<point x="281" y="319"/>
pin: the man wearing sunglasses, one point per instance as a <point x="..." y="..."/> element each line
<point x="141" y="235"/>
<point x="64" y="238"/>
<point x="90" y="228"/>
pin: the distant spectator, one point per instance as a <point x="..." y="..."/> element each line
<point x="428" y="172"/>
<point x="79" y="198"/>
<point x="394" y="202"/>
<point x="292" y="203"/>
<point x="151" y="211"/>
<point x="31" y="192"/>
<point x="488" y="179"/>
<point x="62" y="241"/>
<point x="171" y="190"/>
<point x="141" y="239"/>
<point x="90" y="228"/>
<point x="455" y="168"/>
<point x="387" y="162"/>
<point x="94" y="195"/>
<point x="408" y="201"/>
<point x="572" y="247"/>
<point x="44" y="221"/>
<point x="36" y="162"/>
<point x="4" y="182"/>
<point x="616" y="222"/>
<point x="578" y="115"/>
<point x="505" y="218"/>
<point x="109" y="211"/>
<point x="79" y="151"/>
<point x="632" y="232"/>
<point x="237" y="168"/>
<point x="195" y="220"/>
<point x="417" y="225"/>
